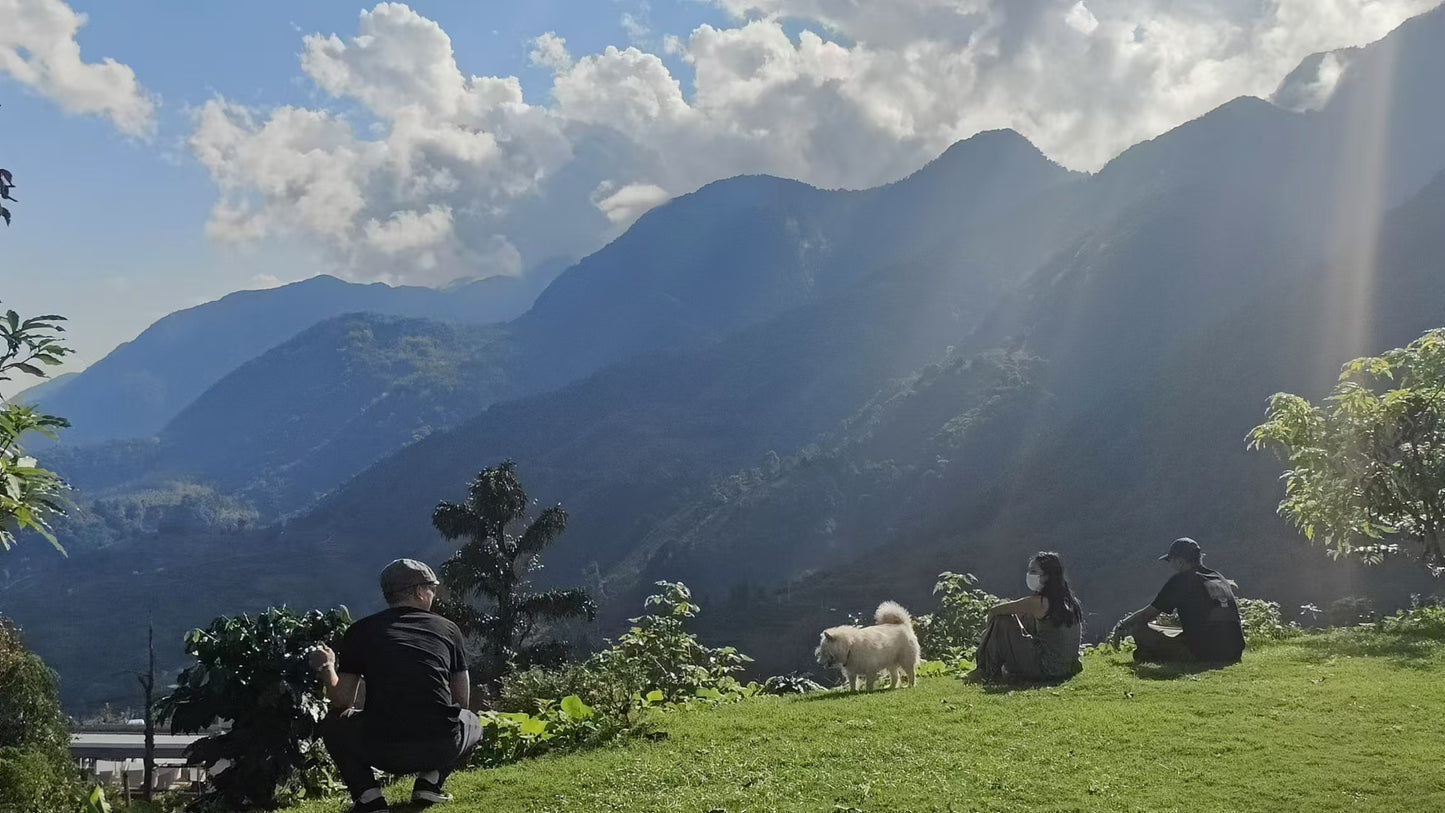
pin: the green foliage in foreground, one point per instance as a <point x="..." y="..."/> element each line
<point x="1366" y="467"/>
<point x="30" y="496"/>
<point x="251" y="672"/>
<point x="36" y="774"/>
<point x="1336" y="721"/>
<point x="657" y="663"/>
<point x="951" y="632"/>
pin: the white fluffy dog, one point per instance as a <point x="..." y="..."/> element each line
<point x="862" y="652"/>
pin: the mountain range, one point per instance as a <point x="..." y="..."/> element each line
<point x="804" y="401"/>
<point x="140" y="386"/>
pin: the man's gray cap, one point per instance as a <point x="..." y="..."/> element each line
<point x="404" y="574"/>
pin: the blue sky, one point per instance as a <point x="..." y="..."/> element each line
<point x="110" y="229"/>
<point x="243" y="154"/>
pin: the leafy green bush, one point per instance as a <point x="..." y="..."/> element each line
<point x="1262" y="621"/>
<point x="35" y="780"/>
<point x="951" y="632"/>
<point x="932" y="669"/>
<point x="656" y="664"/>
<point x="658" y="653"/>
<point x="557" y="725"/>
<point x="527" y="689"/>
<point x="532" y="690"/>
<point x="36" y="775"/>
<point x="1425" y="617"/>
<point x="252" y="672"/>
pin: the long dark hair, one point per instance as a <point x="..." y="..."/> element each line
<point x="1064" y="609"/>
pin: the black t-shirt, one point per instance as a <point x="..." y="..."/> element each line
<point x="407" y="656"/>
<point x="1208" y="612"/>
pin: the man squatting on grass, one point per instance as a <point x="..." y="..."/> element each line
<point x="1208" y="612"/>
<point x="414" y="665"/>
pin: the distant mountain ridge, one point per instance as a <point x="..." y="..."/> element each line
<point x="678" y="280"/>
<point x="141" y="385"/>
<point x="47" y="388"/>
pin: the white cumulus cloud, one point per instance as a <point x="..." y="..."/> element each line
<point x="455" y="174"/>
<point x="1081" y="19"/>
<point x="38" y="49"/>
<point x="419" y="203"/>
<point x="550" y="51"/>
<point x="622" y="206"/>
<point x="409" y="231"/>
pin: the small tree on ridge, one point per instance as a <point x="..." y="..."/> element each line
<point x="492" y="566"/>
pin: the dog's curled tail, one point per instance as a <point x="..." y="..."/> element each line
<point x="891" y="612"/>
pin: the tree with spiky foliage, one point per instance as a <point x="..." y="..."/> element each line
<point x="487" y="578"/>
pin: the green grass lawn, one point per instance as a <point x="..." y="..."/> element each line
<point x="1345" y="721"/>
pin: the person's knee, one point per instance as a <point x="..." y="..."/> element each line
<point x="471" y="732"/>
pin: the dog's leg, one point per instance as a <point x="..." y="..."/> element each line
<point x="912" y="677"/>
<point x="895" y="678"/>
<point x="872" y="676"/>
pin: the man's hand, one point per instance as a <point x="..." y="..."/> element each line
<point x="1117" y="636"/>
<point x="1132" y="622"/>
<point x="320" y="658"/>
<point x="1121" y="630"/>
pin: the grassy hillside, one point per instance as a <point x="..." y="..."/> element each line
<point x="1338" y="721"/>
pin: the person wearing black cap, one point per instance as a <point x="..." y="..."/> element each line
<point x="1207" y="608"/>
<point x="414" y="666"/>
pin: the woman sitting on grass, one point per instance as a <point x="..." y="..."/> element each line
<point x="1036" y="637"/>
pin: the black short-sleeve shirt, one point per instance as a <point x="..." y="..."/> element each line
<point x="407" y="656"/>
<point x="1208" y="611"/>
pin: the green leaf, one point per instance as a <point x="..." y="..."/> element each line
<point x="574" y="708"/>
<point x="96" y="803"/>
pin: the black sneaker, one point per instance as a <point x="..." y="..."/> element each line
<point x="426" y="793"/>
<point x="377" y="805"/>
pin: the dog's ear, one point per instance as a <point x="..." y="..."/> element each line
<point x="827" y="636"/>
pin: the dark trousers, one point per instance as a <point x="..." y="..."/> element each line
<point x="1156" y="644"/>
<point x="1007" y="646"/>
<point x="356" y="754"/>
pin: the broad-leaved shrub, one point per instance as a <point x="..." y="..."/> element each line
<point x="251" y="672"/>
<point x="656" y="664"/>
<point x="36" y="773"/>
<point x="1262" y="621"/>
<point x="951" y="632"/>
<point x="1425" y="618"/>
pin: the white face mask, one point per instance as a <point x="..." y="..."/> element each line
<point x="1035" y="581"/>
